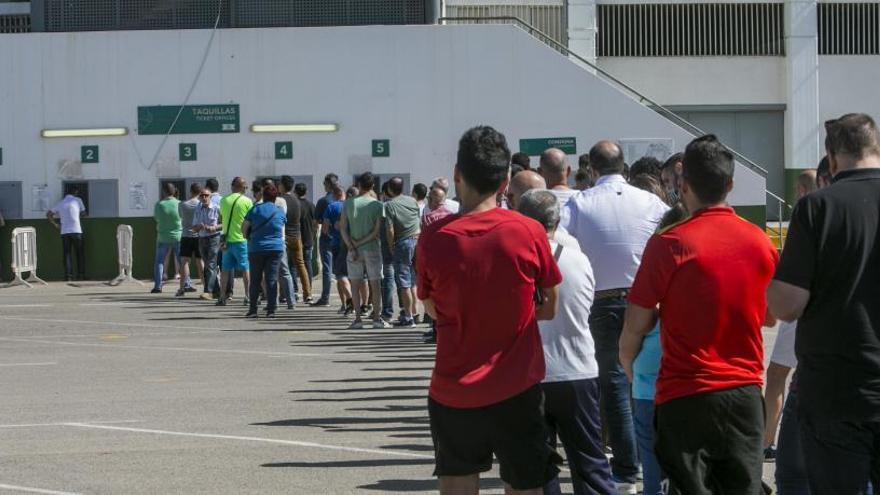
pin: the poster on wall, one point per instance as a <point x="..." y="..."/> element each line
<point x="659" y="148"/>
<point x="40" y="197"/>
<point x="137" y="196"/>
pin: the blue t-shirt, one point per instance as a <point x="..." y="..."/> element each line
<point x="647" y="366"/>
<point x="332" y="214"/>
<point x="266" y="234"/>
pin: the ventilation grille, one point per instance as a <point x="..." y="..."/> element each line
<point x="15" y="23"/>
<point x="550" y="19"/>
<point x="849" y="29"/>
<point x="691" y="30"/>
<point x="329" y="12"/>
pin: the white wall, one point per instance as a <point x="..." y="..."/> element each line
<point x="848" y="84"/>
<point x="420" y="86"/>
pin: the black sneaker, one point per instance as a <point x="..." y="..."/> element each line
<point x="308" y="300"/>
<point x="770" y="453"/>
<point x="417" y="319"/>
<point x="221" y="302"/>
<point x="430" y="338"/>
<point x="190" y="289"/>
<point x="270" y="314"/>
<point x="405" y="323"/>
<point x="156" y="291"/>
<point x="251" y="314"/>
<point x="320" y="303"/>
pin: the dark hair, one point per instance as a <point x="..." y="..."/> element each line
<point x="672" y="160"/>
<point x="256" y="186"/>
<point x="352" y="192"/>
<point x="265" y="181"/>
<point x="270" y="192"/>
<point x="169" y="189"/>
<point x="300" y="189"/>
<point x="336" y="189"/>
<point x="287" y="182"/>
<point x="649" y="183"/>
<point x="483" y="159"/>
<point x="672" y="216"/>
<point x="515" y="169"/>
<point x="606" y="158"/>
<point x="366" y="181"/>
<point x="331" y="179"/>
<point x="646" y="165"/>
<point x="854" y="134"/>
<point x="521" y="159"/>
<point x="583" y="175"/>
<point x="823" y="171"/>
<point x="395" y="186"/>
<point x="212" y="184"/>
<point x="195" y="188"/>
<point x="420" y="191"/>
<point x="584" y="161"/>
<point x="384" y="188"/>
<point x="708" y="168"/>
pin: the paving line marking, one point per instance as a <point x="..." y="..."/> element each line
<point x="8" y="365"/>
<point x="29" y="489"/>
<point x="163" y="348"/>
<point x="389" y="453"/>
<point x="38" y="425"/>
<point x="112" y="323"/>
<point x="26" y="305"/>
<point x="112" y="335"/>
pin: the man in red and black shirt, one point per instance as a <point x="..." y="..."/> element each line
<point x="479" y="274"/>
<point x="708" y="275"/>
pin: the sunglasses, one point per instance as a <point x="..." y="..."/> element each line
<point x="204" y="195"/>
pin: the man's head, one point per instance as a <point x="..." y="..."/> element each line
<point x="269" y="192"/>
<point x="583" y="179"/>
<point x="584" y="161"/>
<point x="606" y="158"/>
<point x="212" y="185"/>
<point x="483" y="162"/>
<point x="850" y="141"/>
<point x="239" y="185"/>
<point x="205" y="196"/>
<point x="169" y="190"/>
<point x="707" y="173"/>
<point x="554" y="168"/>
<point x="329" y="181"/>
<point x="366" y="182"/>
<point x="670" y="173"/>
<point x="420" y="191"/>
<point x="352" y="192"/>
<point x="257" y="189"/>
<point x="287" y="184"/>
<point x="649" y="183"/>
<point x="806" y="182"/>
<point x="395" y="187"/>
<point x="436" y="198"/>
<point x="194" y="189"/>
<point x="823" y="173"/>
<point x="441" y="183"/>
<point x="337" y="192"/>
<point x="540" y="205"/>
<point x="523" y="182"/>
<point x="300" y="190"/>
<point x="521" y="159"/>
<point x="646" y="165"/>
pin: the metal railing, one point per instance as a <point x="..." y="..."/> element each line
<point x="644" y="100"/>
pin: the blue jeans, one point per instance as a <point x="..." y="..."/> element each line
<point x="209" y="248"/>
<point x="403" y="255"/>
<point x="606" y="324"/>
<point x="159" y="262"/>
<point x="264" y="265"/>
<point x="643" y="415"/>
<point x="791" y="470"/>
<point x="307" y="257"/>
<point x="286" y="280"/>
<point x="326" y="252"/>
<point x="388" y="290"/>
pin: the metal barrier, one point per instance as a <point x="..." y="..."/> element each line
<point x="24" y="257"/>
<point x="124" y="242"/>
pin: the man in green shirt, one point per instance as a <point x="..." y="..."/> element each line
<point x="233" y="209"/>
<point x="168" y="230"/>
<point x="402" y="221"/>
<point x="360" y="228"/>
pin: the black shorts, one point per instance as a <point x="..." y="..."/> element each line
<point x="513" y="429"/>
<point x="340" y="264"/>
<point x="189" y="247"/>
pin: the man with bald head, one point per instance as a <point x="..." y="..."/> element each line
<point x="522" y="182"/>
<point x="613" y="221"/>
<point x="442" y="183"/>
<point x="556" y="171"/>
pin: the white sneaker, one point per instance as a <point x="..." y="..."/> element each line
<point x="356" y="325"/>
<point x="625" y="488"/>
<point x="380" y="323"/>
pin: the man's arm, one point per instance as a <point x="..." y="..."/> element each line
<point x="343" y="230"/>
<point x="372" y="236"/>
<point x="786" y="301"/>
<point x="389" y="233"/>
<point x="637" y="323"/>
<point x="50" y="215"/>
<point x="547" y="310"/>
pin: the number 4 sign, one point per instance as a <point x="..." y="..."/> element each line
<point x="283" y="150"/>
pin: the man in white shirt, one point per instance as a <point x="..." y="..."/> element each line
<point x="571" y="385"/>
<point x="69" y="210"/>
<point x="450" y="204"/>
<point x="555" y="171"/>
<point x="613" y="221"/>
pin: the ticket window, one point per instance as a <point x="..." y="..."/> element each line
<point x="100" y="197"/>
<point x="182" y="185"/>
<point x="382" y="178"/>
<point x="297" y="179"/>
<point x="10" y="200"/>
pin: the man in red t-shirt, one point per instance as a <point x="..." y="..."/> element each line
<point x="709" y="275"/>
<point x="479" y="274"/>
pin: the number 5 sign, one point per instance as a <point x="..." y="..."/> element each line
<point x="381" y="148"/>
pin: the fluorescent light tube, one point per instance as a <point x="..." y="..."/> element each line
<point x="105" y="131"/>
<point x="294" y="127"/>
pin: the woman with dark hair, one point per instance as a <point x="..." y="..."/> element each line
<point x="264" y="229"/>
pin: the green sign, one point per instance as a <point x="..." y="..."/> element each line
<point x="88" y="154"/>
<point x="381" y="148"/>
<point x="188" y="152"/>
<point x="194" y="119"/>
<point x="283" y="150"/>
<point x="1" y="156"/>
<point x="534" y="147"/>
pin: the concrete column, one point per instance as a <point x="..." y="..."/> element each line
<point x="803" y="131"/>
<point x="582" y="28"/>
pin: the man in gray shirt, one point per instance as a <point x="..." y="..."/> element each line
<point x="189" y="240"/>
<point x="402" y="229"/>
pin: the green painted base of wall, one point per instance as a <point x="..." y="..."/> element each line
<point x="100" y="247"/>
<point x="757" y="214"/>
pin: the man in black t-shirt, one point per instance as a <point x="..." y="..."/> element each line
<point x="292" y="236"/>
<point x="307" y="227"/>
<point x="829" y="279"/>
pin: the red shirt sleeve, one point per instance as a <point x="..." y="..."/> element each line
<point x="423" y="278"/>
<point x="548" y="272"/>
<point x="659" y="263"/>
